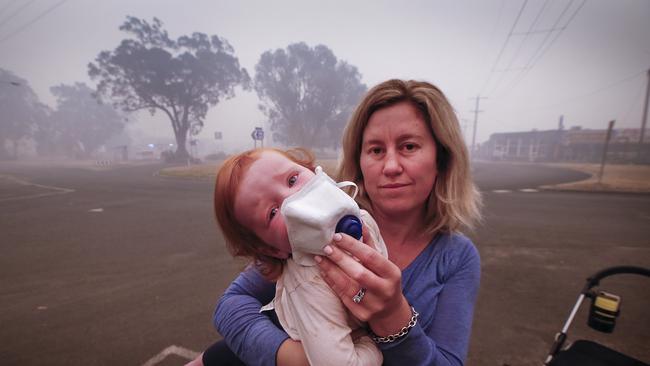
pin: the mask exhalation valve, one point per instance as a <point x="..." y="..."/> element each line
<point x="350" y="225"/>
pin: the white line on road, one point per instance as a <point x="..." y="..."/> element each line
<point x="57" y="190"/>
<point x="501" y="191"/>
<point x="529" y="190"/>
<point x="172" y="350"/>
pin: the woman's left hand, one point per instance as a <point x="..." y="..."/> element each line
<point x="351" y="265"/>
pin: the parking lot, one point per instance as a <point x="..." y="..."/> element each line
<point x="123" y="267"/>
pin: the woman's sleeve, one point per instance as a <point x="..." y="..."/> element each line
<point x="446" y="341"/>
<point x="252" y="336"/>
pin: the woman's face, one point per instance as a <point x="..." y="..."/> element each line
<point x="398" y="160"/>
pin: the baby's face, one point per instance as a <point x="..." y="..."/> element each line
<point x="267" y="183"/>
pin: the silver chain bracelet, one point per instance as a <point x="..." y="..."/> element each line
<point x="404" y="331"/>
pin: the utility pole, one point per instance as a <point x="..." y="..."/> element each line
<point x="476" y="112"/>
<point x="602" y="162"/>
<point x="644" y="119"/>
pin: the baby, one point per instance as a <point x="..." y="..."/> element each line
<point x="249" y="193"/>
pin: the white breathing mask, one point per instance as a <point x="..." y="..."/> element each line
<point x="317" y="211"/>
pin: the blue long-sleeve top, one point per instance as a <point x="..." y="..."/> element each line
<point x="441" y="284"/>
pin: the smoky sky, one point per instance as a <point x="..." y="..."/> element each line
<point x="590" y="68"/>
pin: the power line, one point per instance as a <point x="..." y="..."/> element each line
<point x="560" y="32"/>
<point x="13" y="15"/>
<point x="7" y="6"/>
<point x="537" y="55"/>
<point x="527" y="33"/>
<point x="28" y="24"/>
<point x="635" y="101"/>
<point x="505" y="43"/>
<point x="523" y="41"/>
<point x="528" y="64"/>
<point x="593" y="92"/>
<point x="492" y="35"/>
<point x="500" y="14"/>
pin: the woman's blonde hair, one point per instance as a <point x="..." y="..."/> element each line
<point x="454" y="201"/>
<point x="240" y="240"/>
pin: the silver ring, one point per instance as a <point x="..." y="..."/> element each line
<point x="359" y="296"/>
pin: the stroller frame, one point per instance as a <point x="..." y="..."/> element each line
<point x="612" y="356"/>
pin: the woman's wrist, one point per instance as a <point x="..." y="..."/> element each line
<point x="402" y="332"/>
<point x="393" y="321"/>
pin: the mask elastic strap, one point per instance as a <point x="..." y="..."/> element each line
<point x="349" y="184"/>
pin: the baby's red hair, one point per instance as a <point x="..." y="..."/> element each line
<point x="240" y="240"/>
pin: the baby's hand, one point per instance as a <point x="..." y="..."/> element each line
<point x="366" y="238"/>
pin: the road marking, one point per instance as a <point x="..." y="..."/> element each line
<point x="172" y="350"/>
<point x="57" y="190"/>
<point x="524" y="190"/>
<point x="103" y="162"/>
<point x="529" y="190"/>
<point x="96" y="210"/>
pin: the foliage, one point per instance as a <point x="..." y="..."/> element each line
<point x="307" y="94"/>
<point x="20" y="112"/>
<point x="182" y="78"/>
<point x="81" y="124"/>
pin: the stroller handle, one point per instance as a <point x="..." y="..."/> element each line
<point x="594" y="279"/>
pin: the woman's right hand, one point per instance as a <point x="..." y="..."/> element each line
<point x="291" y="353"/>
<point x="351" y="265"/>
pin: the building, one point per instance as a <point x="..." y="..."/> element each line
<point x="523" y="146"/>
<point x="573" y="145"/>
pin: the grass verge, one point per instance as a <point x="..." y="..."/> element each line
<point x="616" y="178"/>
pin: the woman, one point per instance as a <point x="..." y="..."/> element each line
<point x="404" y="149"/>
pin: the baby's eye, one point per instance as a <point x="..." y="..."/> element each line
<point x="292" y="180"/>
<point x="273" y="212"/>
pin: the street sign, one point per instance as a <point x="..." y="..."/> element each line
<point x="258" y="134"/>
<point x="217" y="135"/>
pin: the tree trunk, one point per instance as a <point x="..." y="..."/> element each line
<point x="181" y="153"/>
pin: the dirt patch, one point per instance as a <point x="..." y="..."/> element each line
<point x="616" y="178"/>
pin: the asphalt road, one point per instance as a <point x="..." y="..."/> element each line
<point x="113" y="266"/>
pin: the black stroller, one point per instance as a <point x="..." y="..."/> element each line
<point x="602" y="317"/>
